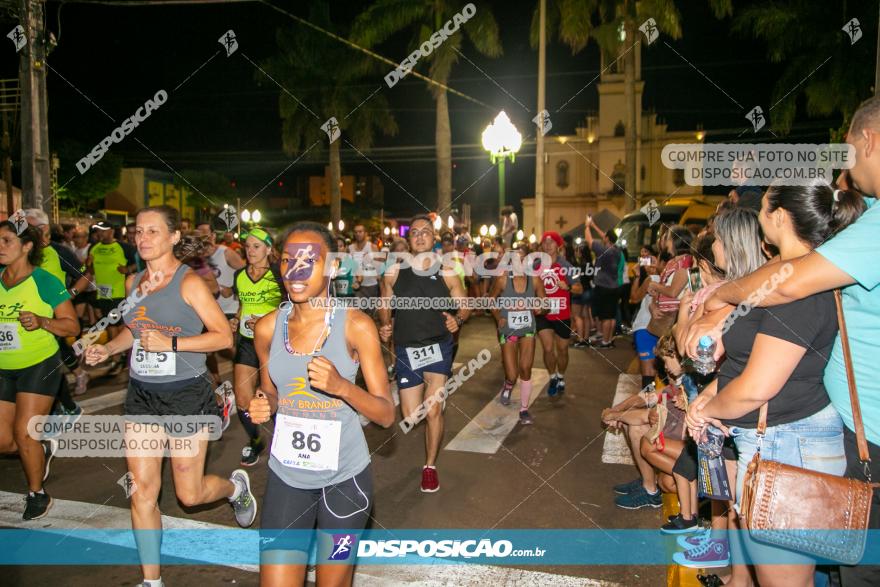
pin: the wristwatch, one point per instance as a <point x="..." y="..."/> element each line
<point x="459" y="320"/>
<point x="73" y="292"/>
<point x="174" y="344"/>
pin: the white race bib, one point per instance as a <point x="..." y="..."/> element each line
<point x="520" y="319"/>
<point x="9" y="340"/>
<point x="555" y="305"/>
<point x="148" y="364"/>
<point x="341" y="287"/>
<point x="423" y="356"/>
<point x="306" y="443"/>
<point x="242" y="325"/>
<point x="105" y="292"/>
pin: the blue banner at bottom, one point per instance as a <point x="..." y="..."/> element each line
<point x="236" y="547"/>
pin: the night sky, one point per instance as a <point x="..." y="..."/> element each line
<point x="222" y="119"/>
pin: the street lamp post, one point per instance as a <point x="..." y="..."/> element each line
<point x="501" y="140"/>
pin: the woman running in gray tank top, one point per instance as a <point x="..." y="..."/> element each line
<point x="172" y="322"/>
<point x="319" y="463"/>
<point x="515" y="317"/>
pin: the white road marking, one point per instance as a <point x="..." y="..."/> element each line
<point x="616" y="450"/>
<point x="66" y="515"/>
<point x="487" y="431"/>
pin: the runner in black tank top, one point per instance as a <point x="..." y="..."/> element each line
<point x="422" y="337"/>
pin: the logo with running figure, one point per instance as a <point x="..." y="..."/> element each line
<point x="301" y="258"/>
<point x="298" y="387"/>
<point x="343" y="545"/>
<point x="140" y="315"/>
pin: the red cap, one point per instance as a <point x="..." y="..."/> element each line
<point x="552" y="234"/>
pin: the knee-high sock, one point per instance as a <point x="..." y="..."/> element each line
<point x="525" y="390"/>
<point x="253" y="431"/>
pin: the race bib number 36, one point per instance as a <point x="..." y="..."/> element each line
<point x="423" y="356"/>
<point x="518" y="320"/>
<point x="9" y="340"/>
<point x="305" y="443"/>
<point x="148" y="364"/>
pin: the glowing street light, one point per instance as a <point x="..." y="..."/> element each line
<point x="450" y="222"/>
<point x="484" y="230"/>
<point x="532" y="238"/>
<point x="341" y="225"/>
<point x="245" y="215"/>
<point x="386" y="231"/>
<point x="330" y="226"/>
<point x="477" y="240"/>
<point x="520" y="234"/>
<point x="501" y="140"/>
<point x="256" y="216"/>
<point x="493" y="230"/>
<point x="438" y="223"/>
<point x="578" y="240"/>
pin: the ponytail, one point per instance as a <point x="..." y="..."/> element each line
<point x="846" y="208"/>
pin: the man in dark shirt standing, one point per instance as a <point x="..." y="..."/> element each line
<point x="607" y="292"/>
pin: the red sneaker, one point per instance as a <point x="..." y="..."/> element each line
<point x="430" y="481"/>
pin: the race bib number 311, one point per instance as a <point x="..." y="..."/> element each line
<point x="148" y="364"/>
<point x="423" y="356"/>
<point x="305" y="443"/>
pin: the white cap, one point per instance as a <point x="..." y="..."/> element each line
<point x="36" y="215"/>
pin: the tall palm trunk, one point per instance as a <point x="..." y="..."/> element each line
<point x="629" y="139"/>
<point x="444" y="154"/>
<point x="335" y="187"/>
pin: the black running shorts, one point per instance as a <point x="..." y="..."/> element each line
<point x="246" y="353"/>
<point x="44" y="378"/>
<point x="290" y="516"/>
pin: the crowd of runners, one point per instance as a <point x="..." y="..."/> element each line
<point x="316" y="331"/>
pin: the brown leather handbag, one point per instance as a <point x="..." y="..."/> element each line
<point x="814" y="513"/>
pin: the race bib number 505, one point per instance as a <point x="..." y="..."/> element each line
<point x="147" y="364"/>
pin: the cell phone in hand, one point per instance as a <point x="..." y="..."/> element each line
<point x="694" y="282"/>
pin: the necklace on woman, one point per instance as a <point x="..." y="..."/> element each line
<point x="319" y="342"/>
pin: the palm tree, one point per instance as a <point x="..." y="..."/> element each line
<point x="313" y="92"/>
<point x="385" y="18"/>
<point x="615" y="31"/>
<point x="821" y="64"/>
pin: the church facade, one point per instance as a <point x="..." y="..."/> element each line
<point x="586" y="172"/>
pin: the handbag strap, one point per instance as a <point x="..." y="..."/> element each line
<point x="861" y="441"/>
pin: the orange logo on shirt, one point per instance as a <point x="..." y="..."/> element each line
<point x="140" y="315"/>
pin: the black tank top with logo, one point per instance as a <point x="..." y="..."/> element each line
<point x="418" y="326"/>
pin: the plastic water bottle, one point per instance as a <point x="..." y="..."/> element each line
<point x="704" y="363"/>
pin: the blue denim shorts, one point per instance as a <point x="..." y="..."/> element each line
<point x="814" y="443"/>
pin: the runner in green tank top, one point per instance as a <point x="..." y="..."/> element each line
<point x="34" y="308"/>
<point x="258" y="287"/>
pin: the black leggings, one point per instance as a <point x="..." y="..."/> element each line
<point x="290" y="515"/>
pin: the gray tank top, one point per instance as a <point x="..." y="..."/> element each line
<point x="318" y="439"/>
<point x="166" y="312"/>
<point x="520" y="320"/>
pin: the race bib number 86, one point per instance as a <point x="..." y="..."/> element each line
<point x="305" y="443"/>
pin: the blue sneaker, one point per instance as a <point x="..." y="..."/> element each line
<point x="627" y="488"/>
<point x="553" y="387"/>
<point x="696" y="539"/>
<point x="638" y="499"/>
